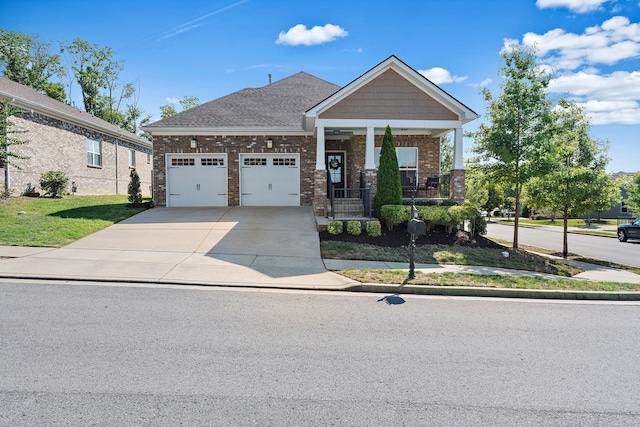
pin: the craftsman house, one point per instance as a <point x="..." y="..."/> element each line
<point x="96" y="155"/>
<point x="302" y="141"/>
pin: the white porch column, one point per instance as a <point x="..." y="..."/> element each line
<point x="369" y="151"/>
<point x="320" y="157"/>
<point x="458" y="163"/>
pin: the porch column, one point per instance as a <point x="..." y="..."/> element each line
<point x="458" y="163"/>
<point x="369" y="157"/>
<point x="320" y="160"/>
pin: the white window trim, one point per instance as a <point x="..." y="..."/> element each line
<point x="94" y="154"/>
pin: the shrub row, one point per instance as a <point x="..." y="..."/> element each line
<point x="448" y="216"/>
<point x="354" y="227"/>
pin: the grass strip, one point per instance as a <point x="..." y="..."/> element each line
<point x="491" y="281"/>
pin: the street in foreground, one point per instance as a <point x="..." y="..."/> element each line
<point x="82" y="354"/>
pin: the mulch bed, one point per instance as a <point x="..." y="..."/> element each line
<point x="399" y="237"/>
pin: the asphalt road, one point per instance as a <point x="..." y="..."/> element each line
<point x="598" y="247"/>
<point x="75" y="354"/>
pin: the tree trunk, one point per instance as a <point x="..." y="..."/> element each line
<point x="565" y="242"/>
<point x="516" y="217"/>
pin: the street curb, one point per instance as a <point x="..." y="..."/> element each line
<point x="469" y="291"/>
<point x="457" y="291"/>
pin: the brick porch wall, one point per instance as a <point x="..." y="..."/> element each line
<point x="233" y="146"/>
<point x="57" y="145"/>
<point x="456" y="188"/>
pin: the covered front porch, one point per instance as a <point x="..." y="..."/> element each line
<point x="347" y="160"/>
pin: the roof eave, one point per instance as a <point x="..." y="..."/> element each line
<point x="56" y="114"/>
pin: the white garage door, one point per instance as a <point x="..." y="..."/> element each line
<point x="196" y="180"/>
<point x="270" y="179"/>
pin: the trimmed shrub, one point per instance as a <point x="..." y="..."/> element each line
<point x="389" y="186"/>
<point x="354" y="228"/>
<point x="431" y="202"/>
<point x="54" y="183"/>
<point x="135" y="196"/>
<point x="374" y="229"/>
<point x="335" y="227"/>
<point x="393" y="215"/>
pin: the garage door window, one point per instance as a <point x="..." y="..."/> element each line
<point x="183" y="162"/>
<point x="284" y="162"/>
<point x="255" y="161"/>
<point x="212" y="162"/>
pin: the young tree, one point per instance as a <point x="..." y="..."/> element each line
<point x="27" y="60"/>
<point x="576" y="181"/>
<point x="135" y="196"/>
<point x="511" y="145"/>
<point x="389" y="187"/>
<point x="8" y="139"/>
<point x="632" y="187"/>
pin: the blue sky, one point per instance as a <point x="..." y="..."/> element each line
<point x="211" y="48"/>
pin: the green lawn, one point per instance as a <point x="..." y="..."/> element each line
<point x="28" y="221"/>
<point x="519" y="259"/>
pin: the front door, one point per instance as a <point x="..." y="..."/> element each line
<point x="336" y="168"/>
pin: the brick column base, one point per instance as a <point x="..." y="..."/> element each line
<point x="456" y="187"/>
<point x="320" y="193"/>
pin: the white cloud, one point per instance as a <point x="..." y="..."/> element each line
<point x="300" y="35"/>
<point x="440" y="76"/>
<point x="615" y="40"/>
<point x="485" y="82"/>
<point x="173" y="101"/>
<point x="578" y="6"/>
<point x="607" y="99"/>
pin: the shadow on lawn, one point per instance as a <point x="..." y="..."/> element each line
<point x="108" y="212"/>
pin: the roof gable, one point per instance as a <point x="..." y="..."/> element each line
<point x="406" y="93"/>
<point x="388" y="96"/>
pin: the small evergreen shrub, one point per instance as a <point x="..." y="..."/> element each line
<point x="335" y="227"/>
<point x="374" y="228"/>
<point x="393" y="215"/>
<point x="135" y="196"/>
<point x="354" y="228"/>
<point x="54" y="183"/>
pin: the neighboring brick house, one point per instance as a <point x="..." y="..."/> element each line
<point x="273" y="145"/>
<point x="96" y="155"/>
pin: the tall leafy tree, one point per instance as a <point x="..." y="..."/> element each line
<point x="576" y="181"/>
<point x="389" y="186"/>
<point x="28" y="60"/>
<point x="187" y="102"/>
<point x="512" y="143"/>
<point x="90" y="66"/>
<point x="446" y="153"/>
<point x="9" y="139"/>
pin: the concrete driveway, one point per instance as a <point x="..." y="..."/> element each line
<point x="265" y="246"/>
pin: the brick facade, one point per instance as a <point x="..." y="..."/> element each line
<point x="233" y="146"/>
<point x="457" y="185"/>
<point x="58" y="145"/>
<point x="313" y="183"/>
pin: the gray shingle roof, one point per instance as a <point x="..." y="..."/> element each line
<point x="24" y="97"/>
<point x="280" y="104"/>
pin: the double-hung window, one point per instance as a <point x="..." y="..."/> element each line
<point x="407" y="163"/>
<point x="94" y="153"/>
<point x="132" y="158"/>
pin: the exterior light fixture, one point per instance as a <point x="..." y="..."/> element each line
<point x="194" y="142"/>
<point x="269" y="143"/>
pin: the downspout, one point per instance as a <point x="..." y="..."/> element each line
<point x="117" y="165"/>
